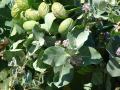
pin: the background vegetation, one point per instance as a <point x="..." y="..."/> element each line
<point x="60" y="45"/>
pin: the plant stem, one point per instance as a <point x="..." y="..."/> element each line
<point x="74" y="9"/>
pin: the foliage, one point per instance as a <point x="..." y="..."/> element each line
<point x="44" y="44"/>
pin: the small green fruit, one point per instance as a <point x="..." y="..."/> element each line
<point x="22" y="4"/>
<point x="32" y="14"/>
<point x="59" y="10"/>
<point x="65" y="25"/>
<point x="15" y="11"/>
<point x="29" y="25"/>
<point x="43" y="9"/>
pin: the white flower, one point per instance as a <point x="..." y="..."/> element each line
<point x="118" y="52"/>
<point x="57" y="43"/>
<point x="86" y="7"/>
<point x="65" y="43"/>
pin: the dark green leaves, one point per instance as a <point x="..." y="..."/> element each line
<point x="90" y="55"/>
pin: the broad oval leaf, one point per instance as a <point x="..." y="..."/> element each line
<point x="55" y="56"/>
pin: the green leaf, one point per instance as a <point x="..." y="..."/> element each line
<point x="38" y="35"/>
<point x="113" y="45"/>
<point x="15" y="45"/>
<point x="113" y="67"/>
<point x="63" y="75"/>
<point x="97" y="77"/>
<point x="114" y="18"/>
<point x="77" y="37"/>
<point x="3" y="3"/>
<point x="9" y="23"/>
<point x="27" y="79"/>
<point x="5" y="84"/>
<point x="18" y="54"/>
<point x="82" y="37"/>
<point x="39" y="66"/>
<point x="3" y="74"/>
<point x="28" y="40"/>
<point x="100" y="4"/>
<point x="90" y="55"/>
<point x="71" y="38"/>
<point x="55" y="56"/>
<point x="49" y="18"/>
<point x="112" y="2"/>
<point x="37" y="32"/>
<point x="17" y="30"/>
<point x="85" y="70"/>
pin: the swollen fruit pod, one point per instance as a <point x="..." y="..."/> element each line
<point x="59" y="10"/>
<point x="22" y="4"/>
<point x="29" y="25"/>
<point x="66" y="25"/>
<point x="15" y="11"/>
<point x="43" y="9"/>
<point x="32" y="14"/>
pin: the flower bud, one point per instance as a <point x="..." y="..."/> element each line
<point x="29" y="25"/>
<point x="59" y="10"/>
<point x="15" y="11"/>
<point x="43" y="9"/>
<point x="57" y="43"/>
<point x="65" y="43"/>
<point x="22" y="4"/>
<point x="32" y="14"/>
<point x="65" y="25"/>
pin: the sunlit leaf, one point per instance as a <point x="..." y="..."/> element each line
<point x="55" y="56"/>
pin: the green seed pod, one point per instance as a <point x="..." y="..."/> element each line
<point x="32" y="14"/>
<point x="43" y="9"/>
<point x="59" y="10"/>
<point x="29" y="25"/>
<point x="15" y="11"/>
<point x="22" y="4"/>
<point x="66" y="25"/>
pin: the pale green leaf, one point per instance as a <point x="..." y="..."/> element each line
<point x="55" y="56"/>
<point x="49" y="18"/>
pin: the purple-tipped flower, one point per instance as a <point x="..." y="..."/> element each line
<point x="57" y="43"/>
<point x="118" y="52"/>
<point x="65" y="43"/>
<point x="86" y="7"/>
